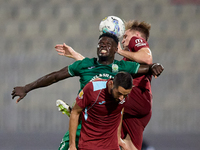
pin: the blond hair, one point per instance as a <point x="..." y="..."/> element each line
<point x="142" y="27"/>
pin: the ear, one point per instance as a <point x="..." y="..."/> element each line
<point x="138" y="33"/>
<point x="110" y="85"/>
<point x="116" y="49"/>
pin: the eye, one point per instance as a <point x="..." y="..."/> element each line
<point x="109" y="44"/>
<point x="100" y="44"/>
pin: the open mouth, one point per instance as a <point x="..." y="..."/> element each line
<point x="103" y="51"/>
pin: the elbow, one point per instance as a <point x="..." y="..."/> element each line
<point x="149" y="61"/>
<point x="145" y="59"/>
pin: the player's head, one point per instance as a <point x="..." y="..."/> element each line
<point x="107" y="34"/>
<point x="107" y="46"/>
<point x="135" y="28"/>
<point x="121" y="85"/>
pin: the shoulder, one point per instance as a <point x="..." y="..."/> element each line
<point x="83" y="63"/>
<point x="93" y="86"/>
<point x="86" y="59"/>
<point x="123" y="62"/>
<point x="128" y="66"/>
<point x="99" y="84"/>
<point x="137" y="43"/>
<point x="137" y="39"/>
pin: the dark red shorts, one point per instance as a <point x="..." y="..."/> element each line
<point x="137" y="113"/>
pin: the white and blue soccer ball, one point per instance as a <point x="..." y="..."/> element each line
<point x="112" y="24"/>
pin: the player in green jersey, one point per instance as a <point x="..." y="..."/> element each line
<point x="106" y="49"/>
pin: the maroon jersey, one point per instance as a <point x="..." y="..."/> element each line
<point x="137" y="110"/>
<point x="100" y="117"/>
<point x="135" y="44"/>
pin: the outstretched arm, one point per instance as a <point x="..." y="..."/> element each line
<point x="143" y="56"/>
<point x="73" y="124"/>
<point x="155" y="69"/>
<point x="41" y="82"/>
<point x="65" y="50"/>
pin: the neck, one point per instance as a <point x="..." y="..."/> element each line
<point x="105" y="60"/>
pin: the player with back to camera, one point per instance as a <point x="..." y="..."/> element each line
<point x="137" y="112"/>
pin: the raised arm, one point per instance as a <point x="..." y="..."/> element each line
<point x="155" y="69"/>
<point x="44" y="81"/>
<point x="143" y="56"/>
<point x="65" y="50"/>
<point x="73" y="124"/>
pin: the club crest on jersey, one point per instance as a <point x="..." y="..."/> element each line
<point x="115" y="68"/>
<point x="80" y="95"/>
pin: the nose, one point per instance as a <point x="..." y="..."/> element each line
<point x="103" y="46"/>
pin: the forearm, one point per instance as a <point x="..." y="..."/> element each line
<point x="78" y="56"/>
<point x="48" y="79"/>
<point x="122" y="144"/>
<point x="73" y="124"/>
<point x="144" y="69"/>
<point x="120" y="124"/>
<point x="41" y="82"/>
<point x="155" y="69"/>
<point x="142" y="56"/>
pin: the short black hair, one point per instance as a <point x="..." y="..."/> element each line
<point x="123" y="79"/>
<point x="110" y="35"/>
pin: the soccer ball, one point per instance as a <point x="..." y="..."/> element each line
<point x="112" y="24"/>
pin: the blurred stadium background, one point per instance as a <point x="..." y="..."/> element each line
<point x="31" y="28"/>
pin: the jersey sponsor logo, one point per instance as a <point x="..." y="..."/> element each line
<point x="80" y="95"/>
<point x="115" y="68"/>
<point x="122" y="101"/>
<point x="140" y="42"/>
<point x="102" y="75"/>
<point x="100" y="103"/>
<point x="91" y="67"/>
